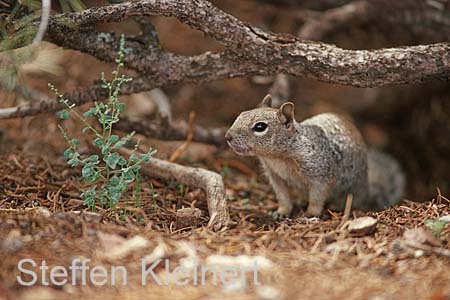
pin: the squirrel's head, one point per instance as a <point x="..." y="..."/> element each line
<point x="262" y="131"/>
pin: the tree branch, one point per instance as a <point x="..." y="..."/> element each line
<point x="249" y="51"/>
<point x="177" y="131"/>
<point x="285" y="53"/>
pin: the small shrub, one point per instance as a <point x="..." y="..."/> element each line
<point x="108" y="175"/>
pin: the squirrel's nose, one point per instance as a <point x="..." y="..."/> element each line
<point x="228" y="136"/>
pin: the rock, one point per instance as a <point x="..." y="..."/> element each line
<point x="75" y="202"/>
<point x="188" y="217"/>
<point x="338" y="247"/>
<point x="240" y="261"/>
<point x="267" y="292"/>
<point x="91" y="217"/>
<point x="41" y="212"/>
<point x="363" y="226"/>
<point x="12" y="242"/>
<point x="115" y="247"/>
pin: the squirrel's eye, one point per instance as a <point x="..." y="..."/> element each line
<point x="259" y="127"/>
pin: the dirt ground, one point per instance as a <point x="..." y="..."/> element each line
<point x="404" y="257"/>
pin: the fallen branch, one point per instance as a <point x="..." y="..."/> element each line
<point x="210" y="182"/>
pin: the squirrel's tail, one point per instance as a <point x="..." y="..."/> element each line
<point x="386" y="179"/>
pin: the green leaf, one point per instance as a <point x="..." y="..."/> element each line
<point x="74" y="162"/>
<point x="64" y="115"/>
<point x="435" y="226"/>
<point x="135" y="168"/>
<point x="113" y="138"/>
<point x="146" y="157"/>
<point x="98" y="142"/>
<point x="113" y="181"/>
<point x="92" y="178"/>
<point x="112" y="159"/>
<point x="87" y="171"/>
<point x="91" y="112"/>
<point x="67" y="153"/>
<point x="75" y="142"/>
<point x="105" y="149"/>
<point x="119" y="144"/>
<point x="134" y="158"/>
<point x="122" y="161"/>
<point x="127" y="175"/>
<point x="91" y="159"/>
<point x="120" y="107"/>
<point x="88" y="195"/>
<point x="114" y="195"/>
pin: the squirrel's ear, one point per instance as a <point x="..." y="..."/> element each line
<point x="286" y="113"/>
<point x="267" y="101"/>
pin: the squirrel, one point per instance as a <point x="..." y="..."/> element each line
<point x="318" y="162"/>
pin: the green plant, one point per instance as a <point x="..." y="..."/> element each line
<point x="108" y="175"/>
<point x="436" y="226"/>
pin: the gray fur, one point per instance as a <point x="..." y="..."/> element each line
<point x="317" y="162"/>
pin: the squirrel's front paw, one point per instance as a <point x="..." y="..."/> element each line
<point x="276" y="216"/>
<point x="314" y="210"/>
<point x="281" y="213"/>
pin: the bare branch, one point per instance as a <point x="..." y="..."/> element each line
<point x="210" y="182"/>
<point x="162" y="102"/>
<point x="177" y="131"/>
<point x="334" y="19"/>
<point x="285" y="53"/>
<point x="280" y="90"/>
<point x="308" y="4"/>
<point x="249" y="51"/>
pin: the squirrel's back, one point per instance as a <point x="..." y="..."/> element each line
<point x="386" y="179"/>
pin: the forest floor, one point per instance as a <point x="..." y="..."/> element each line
<point x="42" y="218"/>
<point x="406" y="256"/>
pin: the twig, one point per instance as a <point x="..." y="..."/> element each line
<point x="210" y="182"/>
<point x="431" y="249"/>
<point x="175" y="131"/>
<point x="280" y="90"/>
<point x="188" y="141"/>
<point x="46" y="6"/>
<point x="334" y="19"/>
<point x="162" y="102"/>
<point x="347" y="210"/>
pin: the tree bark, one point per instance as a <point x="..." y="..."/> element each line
<point x="248" y="51"/>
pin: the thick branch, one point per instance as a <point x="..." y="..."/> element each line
<point x="250" y="51"/>
<point x="171" y="69"/>
<point x="285" y="53"/>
